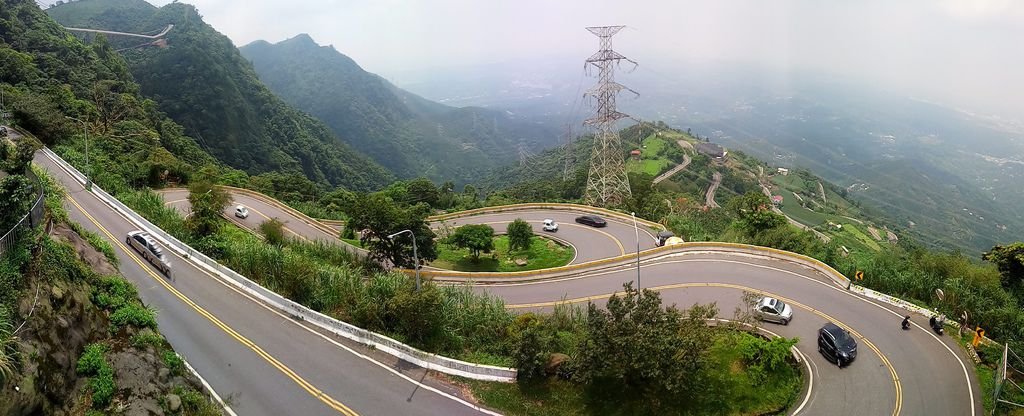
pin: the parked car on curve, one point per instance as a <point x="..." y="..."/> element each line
<point x="242" y="212"/>
<point x="592" y="220"/>
<point x="550" y="225"/>
<point x="836" y="344"/>
<point x="148" y="248"/>
<point x="773" y="310"/>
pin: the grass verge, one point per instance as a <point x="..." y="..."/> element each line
<point x="542" y="254"/>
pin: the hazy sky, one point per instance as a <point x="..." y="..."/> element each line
<point x="967" y="53"/>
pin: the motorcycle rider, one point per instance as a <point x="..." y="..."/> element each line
<point x="906" y="322"/>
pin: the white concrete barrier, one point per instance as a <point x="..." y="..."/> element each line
<point x="380" y="342"/>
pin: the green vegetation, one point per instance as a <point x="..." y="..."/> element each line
<point x="519" y="234"/>
<point x="93" y="364"/>
<point x="218" y="98"/>
<point x="476" y="238"/>
<point x="676" y="365"/>
<point x="207" y="202"/>
<point x="542" y="254"/>
<point x="272" y="231"/>
<point x="656" y="156"/>
<point x="379" y="216"/>
<point x="409" y="135"/>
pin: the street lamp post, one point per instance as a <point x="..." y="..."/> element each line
<point x="415" y="256"/>
<point x="85" y="130"/>
<point x="637" y="230"/>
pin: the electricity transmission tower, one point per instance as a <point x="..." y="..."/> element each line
<point x="570" y="157"/>
<point x="607" y="183"/>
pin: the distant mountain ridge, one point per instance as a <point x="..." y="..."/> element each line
<point x="404" y="132"/>
<point x="201" y="81"/>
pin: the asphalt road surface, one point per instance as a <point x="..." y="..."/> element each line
<point x="896" y="372"/>
<point x="265" y="362"/>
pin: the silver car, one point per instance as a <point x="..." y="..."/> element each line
<point x="147" y="247"/>
<point x="773" y="310"/>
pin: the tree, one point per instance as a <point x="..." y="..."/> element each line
<point x="423" y="190"/>
<point x="1009" y="259"/>
<point x="638" y="349"/>
<point x="644" y="200"/>
<point x="755" y="212"/>
<point x="208" y="202"/>
<point x="474" y="237"/>
<point x="380" y="216"/>
<point x="273" y="231"/>
<point x="16" y="195"/>
<point x="519" y="234"/>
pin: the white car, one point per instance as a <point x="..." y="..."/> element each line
<point x="550" y="225"/>
<point x="149" y="250"/>
<point x="773" y="310"/>
<point x="241" y="212"/>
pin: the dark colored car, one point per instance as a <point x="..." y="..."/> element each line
<point x="836" y="344"/>
<point x="592" y="220"/>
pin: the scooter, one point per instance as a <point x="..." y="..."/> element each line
<point x="906" y="323"/>
<point x="938" y="325"/>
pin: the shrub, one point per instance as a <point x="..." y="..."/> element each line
<point x="94" y="364"/>
<point x="273" y="231"/>
<point x="174" y="362"/>
<point x="147" y="338"/>
<point x="103" y="387"/>
<point x="113" y="292"/>
<point x="763" y="356"/>
<point x="92" y="359"/>
<point x="132" y="314"/>
<point x="532" y="347"/>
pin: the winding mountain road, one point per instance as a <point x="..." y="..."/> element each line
<point x="897" y="372"/>
<point x="271" y="364"/>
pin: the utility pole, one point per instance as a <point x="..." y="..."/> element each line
<point x="415" y="255"/>
<point x="88" y="167"/>
<point x="607" y="183"/>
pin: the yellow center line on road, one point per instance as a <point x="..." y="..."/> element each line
<point x="885" y="360"/>
<point x="242" y="225"/>
<point x="282" y="226"/>
<point x="305" y="385"/>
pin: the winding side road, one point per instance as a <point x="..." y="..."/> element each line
<point x="266" y="362"/>
<point x="897" y="372"/>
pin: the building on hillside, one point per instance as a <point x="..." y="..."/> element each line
<point x="777" y="199"/>
<point x="635" y="154"/>
<point x="783" y="171"/>
<point x="711" y="149"/>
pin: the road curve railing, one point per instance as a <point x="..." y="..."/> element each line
<point x="574" y="269"/>
<point x="483" y="278"/>
<point x="380" y="342"/>
<point x="488" y="210"/>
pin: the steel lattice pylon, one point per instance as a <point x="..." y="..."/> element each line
<point x="607" y="183"/>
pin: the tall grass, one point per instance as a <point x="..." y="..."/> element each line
<point x="330" y="279"/>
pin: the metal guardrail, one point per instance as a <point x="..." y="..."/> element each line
<point x="380" y="342"/>
<point x="31" y="219"/>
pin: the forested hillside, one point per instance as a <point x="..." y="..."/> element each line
<point x="202" y="82"/>
<point x="49" y="76"/>
<point x="406" y="133"/>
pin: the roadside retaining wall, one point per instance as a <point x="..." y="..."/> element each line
<point x="421" y="358"/>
